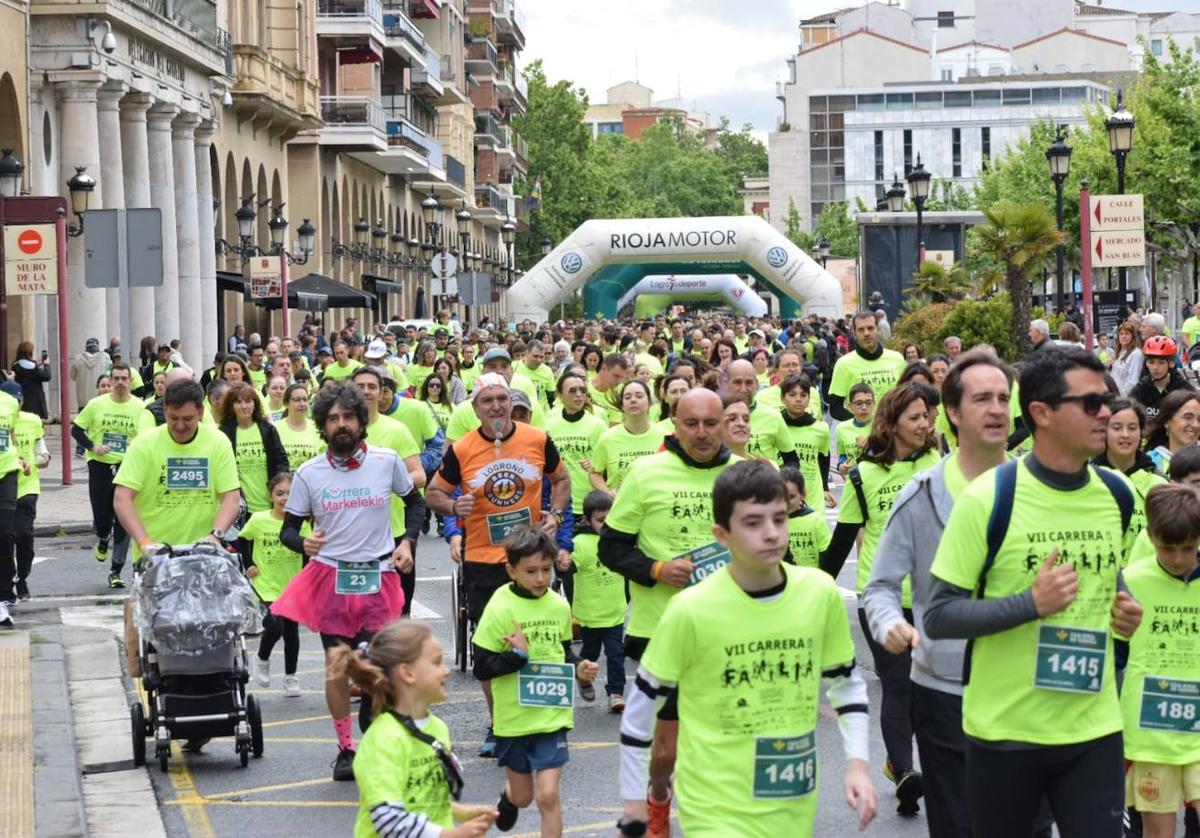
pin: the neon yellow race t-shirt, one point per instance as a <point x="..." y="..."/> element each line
<point x="275" y="562"/>
<point x="393" y="766"/>
<point x="111" y="423"/>
<point x="26" y="433"/>
<point x="810" y="441"/>
<point x="599" y="600"/>
<point x="881" y="373"/>
<point x="391" y="434"/>
<point x="618" y="449"/>
<point x="769" y="435"/>
<point x="808" y="535"/>
<point x="251" y="458"/>
<point x="575" y="440"/>
<point x="301" y="446"/>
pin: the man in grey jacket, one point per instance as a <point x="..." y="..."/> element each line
<point x="976" y="396"/>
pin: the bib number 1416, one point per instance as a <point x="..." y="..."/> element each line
<point x="785" y="766"/>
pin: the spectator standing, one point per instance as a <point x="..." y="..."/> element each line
<point x="32" y="376"/>
<point x="86" y="369"/>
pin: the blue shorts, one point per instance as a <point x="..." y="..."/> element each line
<point x="535" y="752"/>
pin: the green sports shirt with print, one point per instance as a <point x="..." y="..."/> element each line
<point x="810" y="442"/>
<point x="393" y="766"/>
<point x="275" y="562"/>
<point x="301" y="446"/>
<point x="575" y="437"/>
<point x="112" y="423"/>
<point x="880" y="373"/>
<point x="390" y="433"/>
<point x="808" y="535"/>
<point x="749" y="675"/>
<point x="769" y="435"/>
<point x="1049" y="681"/>
<point x="618" y="449"/>
<point x="599" y="599"/>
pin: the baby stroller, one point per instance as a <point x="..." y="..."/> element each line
<point x="190" y="607"/>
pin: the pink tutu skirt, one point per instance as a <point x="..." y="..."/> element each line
<point x="310" y="598"/>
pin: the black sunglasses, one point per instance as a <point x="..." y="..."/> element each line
<point x="1092" y="403"/>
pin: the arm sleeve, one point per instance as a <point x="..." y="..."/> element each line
<point x="391" y="820"/>
<point x="246" y="550"/>
<point x="953" y="613"/>
<point x="637" y="731"/>
<point x="414" y="514"/>
<point x="837" y="408"/>
<point x="569" y="653"/>
<point x="289" y="533"/>
<point x="847" y="694"/>
<point x="893" y="561"/>
<point x="823" y="465"/>
<point x="834" y="556"/>
<point x="552" y="457"/>
<point x="620" y="554"/>
<point x="450" y="471"/>
<point x="80" y="436"/>
<point x="489" y="664"/>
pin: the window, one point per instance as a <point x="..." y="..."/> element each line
<point x="945" y="20"/>
<point x="947" y="75"/>
<point x="957" y="98"/>
<point x="929" y="101"/>
<point x="879" y="175"/>
<point x="818" y="121"/>
<point x="985" y="141"/>
<point x="841" y="103"/>
<point x="899" y="101"/>
<point x="870" y="102"/>
<point x="1074" y="94"/>
<point x="956" y="152"/>
<point x="603" y="128"/>
<point x="1156" y="47"/>
<point x="987" y="98"/>
<point x="908" y="151"/>
<point x="1045" y="95"/>
<point x="1017" y="97"/>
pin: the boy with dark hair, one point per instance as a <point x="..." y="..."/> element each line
<point x="850" y="438"/>
<point x="810" y="434"/>
<point x="808" y="531"/>
<point x="523" y="645"/>
<point x="708" y="654"/>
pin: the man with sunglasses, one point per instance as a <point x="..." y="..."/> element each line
<point x="1028" y="570"/>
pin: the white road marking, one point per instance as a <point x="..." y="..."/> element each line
<point x="423" y="612"/>
<point x="107" y="617"/>
<point x="40" y="559"/>
<point x="434" y="578"/>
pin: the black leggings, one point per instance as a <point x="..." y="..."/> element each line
<point x="408" y="581"/>
<point x="895" y="712"/>
<point x="275" y="627"/>
<point x="26" y="515"/>
<point x="8" y="562"/>
<point x="100" y="491"/>
<point x="1084" y="783"/>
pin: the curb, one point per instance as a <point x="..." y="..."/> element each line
<point x="58" y="529"/>
<point x="58" y="786"/>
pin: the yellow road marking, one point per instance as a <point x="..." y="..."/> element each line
<point x="194" y="815"/>
<point x="282" y="722"/>
<point x="281" y="804"/>
<point x="299" y="784"/>
<point x="16" y="736"/>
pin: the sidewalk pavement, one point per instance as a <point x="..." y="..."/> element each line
<point x="63" y="510"/>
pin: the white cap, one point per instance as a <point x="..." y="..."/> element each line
<point x="488" y="379"/>
<point x="376" y="349"/>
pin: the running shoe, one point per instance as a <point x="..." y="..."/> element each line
<point x="100" y="551"/>
<point x="114" y="582"/>
<point x="506" y="818"/>
<point x="22" y="590"/>
<point x="616" y="704"/>
<point x="343" y="766"/>
<point x="487" y="749"/>
<point x="262" y="672"/>
<point x="586" y="691"/>
<point x="658" y="823"/>
<point x="5" y="618"/>
<point x="291" y="686"/>
<point x="909" y="788"/>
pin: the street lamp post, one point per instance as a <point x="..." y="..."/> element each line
<point x="1059" y="158"/>
<point x="433" y="213"/>
<point x="895" y="195"/>
<point x="508" y="235"/>
<point x="1120" y="140"/>
<point x="918" y="184"/>
<point x="277" y="225"/>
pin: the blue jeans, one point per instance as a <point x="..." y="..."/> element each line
<point x="614" y="653"/>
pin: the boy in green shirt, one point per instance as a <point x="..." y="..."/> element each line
<point x="599" y="604"/>
<point x="808" y="531"/>
<point x="523" y="646"/>
<point x="851" y="437"/>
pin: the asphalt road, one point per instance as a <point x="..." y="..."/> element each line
<point x="289" y="791"/>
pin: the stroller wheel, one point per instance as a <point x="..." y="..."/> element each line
<point x="137" y="725"/>
<point x="243" y="750"/>
<point x="254" y="719"/>
<point x="164" y="757"/>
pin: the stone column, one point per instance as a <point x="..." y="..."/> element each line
<point x="79" y="144"/>
<point x="209" y="339"/>
<point x="162" y="195"/>
<point x="112" y="165"/>
<point x="136" y="160"/>
<point x="187" y="238"/>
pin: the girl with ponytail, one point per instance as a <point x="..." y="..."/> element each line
<point x="408" y="779"/>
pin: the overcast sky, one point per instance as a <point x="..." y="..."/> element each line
<point x="725" y="55"/>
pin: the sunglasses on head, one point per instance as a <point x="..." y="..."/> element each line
<point x="1092" y="403"/>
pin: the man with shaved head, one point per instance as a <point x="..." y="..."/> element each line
<point x="659" y="536"/>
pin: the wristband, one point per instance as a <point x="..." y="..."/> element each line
<point x="454" y="507"/>
<point x="142" y="542"/>
<point x="656" y="570"/>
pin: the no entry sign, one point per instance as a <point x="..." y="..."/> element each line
<point x="30" y="259"/>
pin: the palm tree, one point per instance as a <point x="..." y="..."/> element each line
<point x="939" y="284"/>
<point x="1018" y="237"/>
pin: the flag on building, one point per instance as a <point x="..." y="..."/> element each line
<point x="535" y="194"/>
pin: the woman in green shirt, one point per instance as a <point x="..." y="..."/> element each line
<point x="422" y="365"/>
<point x="1123" y="453"/>
<point x="434" y="393"/>
<point x="447" y="368"/>
<point x="276" y="407"/>
<point x="160" y="387"/>
<point x="256" y="446"/>
<point x="670" y="388"/>
<point x="1176" y="426"/>
<point x="622" y="445"/>
<point x="592" y="358"/>
<point x="575" y="430"/>
<point x="296" y="431"/>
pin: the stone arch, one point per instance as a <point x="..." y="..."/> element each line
<point x="11" y="131"/>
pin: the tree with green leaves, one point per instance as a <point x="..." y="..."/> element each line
<point x="837" y="226"/>
<point x="937" y="283"/>
<point x="744" y="155"/>
<point x="1018" y="237"/>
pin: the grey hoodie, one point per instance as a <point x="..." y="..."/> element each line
<point x="907" y="548"/>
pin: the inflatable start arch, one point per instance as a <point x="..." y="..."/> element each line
<point x="721" y="287"/>
<point x="610" y="257"/>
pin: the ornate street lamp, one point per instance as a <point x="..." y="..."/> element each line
<point x="81" y="185"/>
<point x="1058" y="156"/>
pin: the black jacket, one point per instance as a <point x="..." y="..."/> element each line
<point x="1149" y="395"/>
<point x="277" y="458"/>
<point x="31" y="376"/>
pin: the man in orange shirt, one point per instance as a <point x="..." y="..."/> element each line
<point x="499" y="468"/>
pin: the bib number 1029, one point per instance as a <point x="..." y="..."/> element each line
<point x="546" y="685"/>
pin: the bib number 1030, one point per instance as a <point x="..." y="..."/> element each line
<point x="785" y="766"/>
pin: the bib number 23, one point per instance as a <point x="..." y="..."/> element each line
<point x="785" y="766"/>
<point x="358" y="578"/>
<point x="1070" y="659"/>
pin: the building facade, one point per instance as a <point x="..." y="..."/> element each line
<point x="629" y="109"/>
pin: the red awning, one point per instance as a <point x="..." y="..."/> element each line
<point x="368" y="53"/>
<point x="423" y="8"/>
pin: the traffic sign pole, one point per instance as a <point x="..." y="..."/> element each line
<point x="64" y="405"/>
<point x="1085" y="264"/>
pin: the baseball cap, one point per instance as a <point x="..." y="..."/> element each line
<point x="488" y="379"/>
<point x="496" y="353"/>
<point x="13" y="389"/>
<point x="757" y="332"/>
<point x="377" y="349"/>
<point x="441" y="331"/>
<point x="520" y="399"/>
<point x="324" y="350"/>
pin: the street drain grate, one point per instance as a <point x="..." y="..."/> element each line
<point x="109" y="767"/>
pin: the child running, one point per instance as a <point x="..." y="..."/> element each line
<point x="810" y="434"/>
<point x="743" y="654"/>
<point x="851" y="437"/>
<point x="1160" y="701"/>
<point x="523" y="646"/>
<point x="599" y="603"/>
<point x="269" y="567"/>
<point x="808" y="531"/>
<point x="408" y="779"/>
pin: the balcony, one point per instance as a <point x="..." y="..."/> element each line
<point x="427" y="78"/>
<point x="403" y="37"/>
<point x="454" y="81"/>
<point x="510" y="23"/>
<point x="456" y="172"/>
<point x="487" y="129"/>
<point x="485" y="98"/>
<point x="450" y="184"/>
<point x="353" y="122"/>
<point x="488" y="196"/>
<point x="482" y="59"/>
<point x="272" y="95"/>
<point x="350" y="19"/>
<point x="424" y="9"/>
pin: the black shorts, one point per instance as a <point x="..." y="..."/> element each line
<point x="481" y="581"/>
<point x="328" y="641"/>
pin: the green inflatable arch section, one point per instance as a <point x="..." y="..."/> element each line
<point x="608" y="286"/>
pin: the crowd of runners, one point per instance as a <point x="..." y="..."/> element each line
<point x="1024" y="542"/>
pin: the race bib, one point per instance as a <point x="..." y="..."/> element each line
<point x="1168" y="704"/>
<point x="4" y="436"/>
<point x="500" y="524"/>
<point x="117" y="443"/>
<point x="546" y="685"/>
<point x="358" y="578"/>
<point x="706" y="561"/>
<point x="785" y="766"/>
<point x="1070" y="659"/>
<point x="187" y="473"/>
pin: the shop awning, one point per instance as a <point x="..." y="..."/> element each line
<point x="305" y="291"/>
<point x="379" y="285"/>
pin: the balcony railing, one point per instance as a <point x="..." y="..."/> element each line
<point x="489" y="196"/>
<point x="397" y="25"/>
<point x="522" y="86"/>
<point x="486" y="125"/>
<point x="521" y="146"/>
<point x="456" y="172"/>
<point x="350" y="8"/>
<point x="351" y="111"/>
<point x="199" y="17"/>
<point x="401" y="132"/>
<point x="225" y="47"/>
<point x="483" y="52"/>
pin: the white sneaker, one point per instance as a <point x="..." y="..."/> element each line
<point x="5" y="618"/>
<point x="262" y="672"/>
<point x="291" y="686"/>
